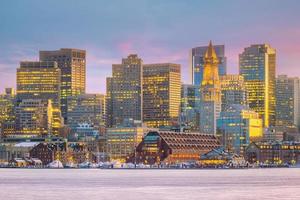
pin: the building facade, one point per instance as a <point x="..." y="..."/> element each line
<point x="7" y="115"/>
<point x="190" y="106"/>
<point x="170" y="147"/>
<point x="238" y="126"/>
<point x="124" y="91"/>
<point x="34" y="118"/>
<point x="39" y="80"/>
<point x="161" y="94"/>
<point x="258" y="67"/>
<point x="72" y="63"/>
<point x="287" y="101"/>
<point x="122" y="141"/>
<point x="210" y="93"/>
<point x="196" y="62"/>
<point x="86" y="108"/>
<point x="273" y="153"/>
<point x="233" y="91"/>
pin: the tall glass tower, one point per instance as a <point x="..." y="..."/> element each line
<point x="258" y="67"/>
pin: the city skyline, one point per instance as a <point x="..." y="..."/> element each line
<point x="156" y="35"/>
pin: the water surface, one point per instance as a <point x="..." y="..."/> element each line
<point x="79" y="184"/>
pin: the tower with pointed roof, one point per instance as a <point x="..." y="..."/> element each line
<point x="210" y="93"/>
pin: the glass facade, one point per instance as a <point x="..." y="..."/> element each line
<point x="257" y="66"/>
<point x="233" y="90"/>
<point x="196" y="62"/>
<point x="287" y="101"/>
<point x="237" y="127"/>
<point x="190" y="106"/>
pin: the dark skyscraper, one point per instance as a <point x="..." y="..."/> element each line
<point x="124" y="91"/>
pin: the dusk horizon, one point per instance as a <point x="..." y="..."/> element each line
<point x="157" y="31"/>
<point x="149" y="99"/>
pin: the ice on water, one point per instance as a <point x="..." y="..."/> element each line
<point x="79" y="184"/>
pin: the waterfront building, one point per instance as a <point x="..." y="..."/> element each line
<point x="65" y="152"/>
<point x="238" y="126"/>
<point x="124" y="91"/>
<point x="190" y="106"/>
<point x="233" y="91"/>
<point x="287" y="101"/>
<point x="122" y="140"/>
<point x="258" y="66"/>
<point x="10" y="151"/>
<point x="196" y="62"/>
<point x="83" y="132"/>
<point x="210" y="107"/>
<point x="72" y="63"/>
<point x="170" y="147"/>
<point x="86" y="108"/>
<point x="273" y="153"/>
<point x="221" y="157"/>
<point x="39" y="80"/>
<point x="161" y="94"/>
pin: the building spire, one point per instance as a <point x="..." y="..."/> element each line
<point x="210" y="52"/>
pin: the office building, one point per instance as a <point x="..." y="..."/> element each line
<point x="237" y="126"/>
<point x="258" y="67"/>
<point x="34" y="118"/>
<point x="86" y="108"/>
<point x="161" y="94"/>
<point x="7" y="114"/>
<point x="287" y="101"/>
<point x="72" y="63"/>
<point x="124" y="91"/>
<point x="233" y="91"/>
<point x="122" y="140"/>
<point x="39" y="80"/>
<point x="190" y="106"/>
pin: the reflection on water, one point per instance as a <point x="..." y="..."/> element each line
<point x="149" y="184"/>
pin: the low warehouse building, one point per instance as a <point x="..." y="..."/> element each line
<point x="173" y="147"/>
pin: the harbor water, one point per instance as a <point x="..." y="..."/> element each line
<point x="144" y="184"/>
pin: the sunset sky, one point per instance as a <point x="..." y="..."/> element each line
<point x="157" y="30"/>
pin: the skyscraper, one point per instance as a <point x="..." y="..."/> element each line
<point x="72" y="63"/>
<point x="124" y="91"/>
<point x="86" y="108"/>
<point x="161" y="94"/>
<point x="34" y="117"/>
<point x="287" y="101"/>
<point x="238" y="126"/>
<point x="196" y="62"/>
<point x="233" y="91"/>
<point x="210" y="93"/>
<point x="7" y="102"/>
<point x="39" y="80"/>
<point x="190" y="106"/>
<point x="257" y="66"/>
